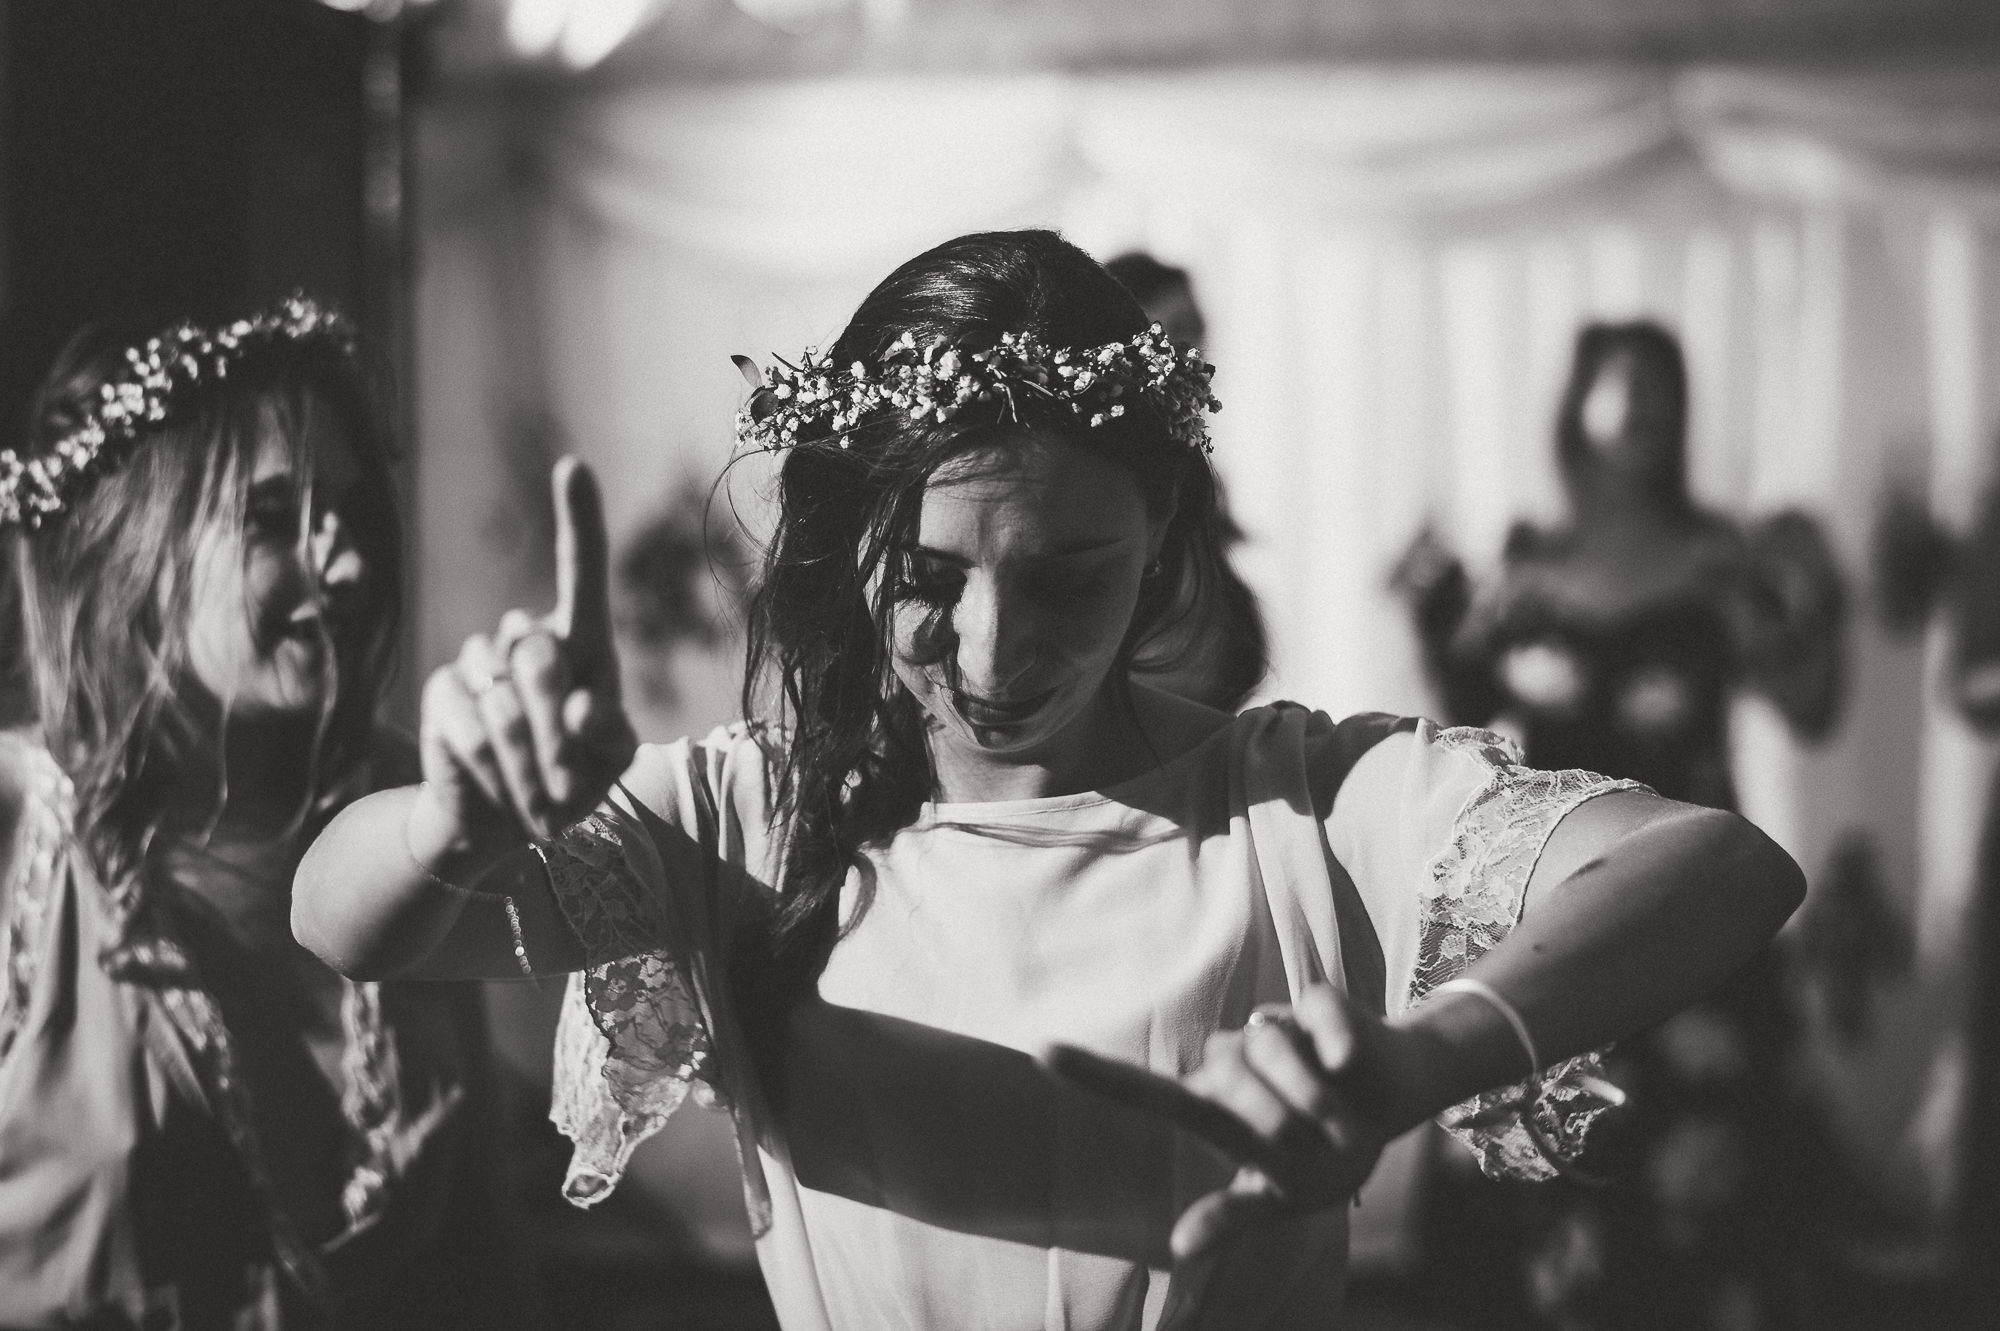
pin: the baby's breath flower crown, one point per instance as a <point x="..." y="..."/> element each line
<point x="1020" y="377"/>
<point x="162" y="377"/>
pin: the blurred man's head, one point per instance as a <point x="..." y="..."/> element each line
<point x="1166" y="292"/>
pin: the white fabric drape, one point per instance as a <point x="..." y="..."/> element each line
<point x="1394" y="262"/>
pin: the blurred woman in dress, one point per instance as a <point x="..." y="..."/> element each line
<point x="1615" y="642"/>
<point x="202" y="1124"/>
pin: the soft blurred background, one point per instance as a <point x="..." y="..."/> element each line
<point x="559" y="218"/>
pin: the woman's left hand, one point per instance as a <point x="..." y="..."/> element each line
<point x="1302" y="1098"/>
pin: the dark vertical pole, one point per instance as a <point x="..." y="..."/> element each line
<point x="14" y="707"/>
<point x="386" y="298"/>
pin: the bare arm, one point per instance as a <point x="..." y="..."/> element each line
<point x="1637" y="907"/>
<point x="521" y="736"/>
<point x="369" y="910"/>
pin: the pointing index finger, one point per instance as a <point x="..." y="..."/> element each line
<point x="583" y="582"/>
<point x="1141" y="1089"/>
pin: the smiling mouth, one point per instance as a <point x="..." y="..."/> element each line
<point x="302" y="625"/>
<point x="997" y="712"/>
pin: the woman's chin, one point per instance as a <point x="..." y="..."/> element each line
<point x="287" y="696"/>
<point x="1031" y="737"/>
<point x="997" y="742"/>
<point x="277" y="711"/>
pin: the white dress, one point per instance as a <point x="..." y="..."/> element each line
<point x="922" y="1171"/>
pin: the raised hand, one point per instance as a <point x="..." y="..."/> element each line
<point x="526" y="727"/>
<point x="1294" y="1098"/>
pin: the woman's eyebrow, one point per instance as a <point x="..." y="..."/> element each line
<point x="1068" y="550"/>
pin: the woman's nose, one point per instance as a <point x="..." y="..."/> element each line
<point x="336" y="559"/>
<point x="996" y="639"/>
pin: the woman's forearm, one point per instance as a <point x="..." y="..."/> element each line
<point x="371" y="897"/>
<point x="1652" y="905"/>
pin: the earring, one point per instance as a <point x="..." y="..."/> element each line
<point x="1152" y="571"/>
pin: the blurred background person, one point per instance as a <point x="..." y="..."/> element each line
<point x="1622" y="632"/>
<point x="1614" y="641"/>
<point x="1219" y="653"/>
<point x="203" y="1125"/>
<point x="1922" y="571"/>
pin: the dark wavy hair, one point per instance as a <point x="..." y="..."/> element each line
<point x="105" y="589"/>
<point x="850" y="757"/>
<point x="1659" y="407"/>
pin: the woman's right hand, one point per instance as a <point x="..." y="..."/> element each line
<point x="524" y="732"/>
<point x="1303" y="1099"/>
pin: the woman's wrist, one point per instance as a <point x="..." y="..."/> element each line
<point x="442" y="848"/>
<point x="1452" y="1045"/>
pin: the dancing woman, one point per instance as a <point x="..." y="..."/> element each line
<point x="1041" y="998"/>
<point x="201" y="1125"/>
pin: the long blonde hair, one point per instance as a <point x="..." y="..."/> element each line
<point x="104" y="591"/>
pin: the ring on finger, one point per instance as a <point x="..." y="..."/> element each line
<point x="1268" y="1014"/>
<point x="484" y="684"/>
<point x="513" y="632"/>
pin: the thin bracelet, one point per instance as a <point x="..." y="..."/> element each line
<point x="520" y="939"/>
<point x="1492" y="997"/>
<point x="506" y="901"/>
<point x="1526" y="1107"/>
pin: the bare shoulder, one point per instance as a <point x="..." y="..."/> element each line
<point x="1596" y="825"/>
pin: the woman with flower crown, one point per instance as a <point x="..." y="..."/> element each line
<point x="1040" y="998"/>
<point x="201" y="1124"/>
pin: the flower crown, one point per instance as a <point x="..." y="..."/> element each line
<point x="159" y="379"/>
<point x="803" y="403"/>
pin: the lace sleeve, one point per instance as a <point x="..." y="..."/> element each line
<point x="1477" y="887"/>
<point x="634" y="1036"/>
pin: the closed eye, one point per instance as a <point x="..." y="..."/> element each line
<point x="272" y="511"/>
<point x="1069" y="586"/>
<point x="929" y="582"/>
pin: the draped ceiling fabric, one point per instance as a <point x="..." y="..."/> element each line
<point x="764" y="39"/>
<point x="1394" y="261"/>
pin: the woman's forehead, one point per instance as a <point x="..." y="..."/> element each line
<point x="1033" y="489"/>
<point x="307" y="433"/>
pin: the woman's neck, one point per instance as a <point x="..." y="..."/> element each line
<point x="241" y="827"/>
<point x="254" y="791"/>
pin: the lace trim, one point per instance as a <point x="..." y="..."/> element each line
<point x="25" y="896"/>
<point x="1478" y="886"/>
<point x="633" y="1040"/>
<point x="371" y="1100"/>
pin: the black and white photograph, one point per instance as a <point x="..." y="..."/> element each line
<point x="999" y="665"/>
